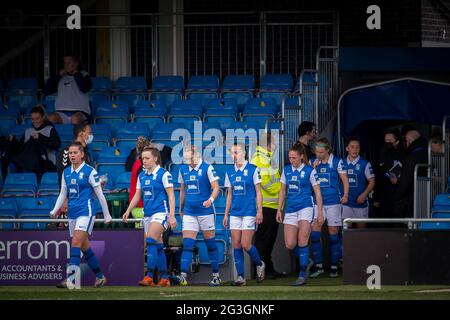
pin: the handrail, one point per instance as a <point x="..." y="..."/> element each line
<point x="409" y="221"/>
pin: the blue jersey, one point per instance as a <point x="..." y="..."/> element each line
<point x="359" y="172"/>
<point x="80" y="185"/>
<point x="328" y="175"/>
<point x="153" y="187"/>
<point x="242" y="183"/>
<point x="299" y="183"/>
<point x="197" y="186"/>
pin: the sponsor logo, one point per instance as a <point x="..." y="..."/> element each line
<point x="147" y="182"/>
<point x="294" y="178"/>
<point x="73" y="181"/>
<point x="238" y="179"/>
<point x="350" y="171"/>
<point x="239" y="188"/>
<point x="323" y="170"/>
<point x="192" y="178"/>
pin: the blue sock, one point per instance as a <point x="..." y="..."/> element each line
<point x="340" y="245"/>
<point x="92" y="261"/>
<point x="295" y="251"/>
<point x="254" y="255"/>
<point x="162" y="261"/>
<point x="213" y="254"/>
<point x="239" y="261"/>
<point x="316" y="247"/>
<point x="186" y="256"/>
<point x="74" y="260"/>
<point x="335" y="249"/>
<point x="303" y="259"/>
<point x="152" y="256"/>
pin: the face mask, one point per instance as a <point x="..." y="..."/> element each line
<point x="90" y="139"/>
<point x="389" y="145"/>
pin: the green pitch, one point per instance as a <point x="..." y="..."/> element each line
<point x="322" y="288"/>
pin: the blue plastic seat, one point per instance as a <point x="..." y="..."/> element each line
<point x="239" y="87"/>
<point x="49" y="184"/>
<point x="276" y="86"/>
<point x="127" y="135"/>
<point x="123" y="181"/>
<point x="185" y="115"/>
<point x="20" y="184"/>
<point x="167" y="89"/>
<point x="203" y="88"/>
<point x="22" y="92"/>
<point x="130" y="89"/>
<point x="115" y="113"/>
<point x="65" y="132"/>
<point x="8" y="210"/>
<point x="112" y="160"/>
<point x="220" y="104"/>
<point x="18" y="130"/>
<point x="34" y="208"/>
<point x="8" y="116"/>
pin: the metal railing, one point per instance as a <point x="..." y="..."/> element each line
<point x="446" y="160"/>
<point x="411" y="223"/>
<point x="126" y="44"/>
<point x="291" y="117"/>
<point x="422" y="192"/>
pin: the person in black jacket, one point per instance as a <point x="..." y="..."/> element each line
<point x="36" y="151"/>
<point x="417" y="152"/>
<point x="72" y="85"/>
<point x="392" y="156"/>
<point x="306" y="134"/>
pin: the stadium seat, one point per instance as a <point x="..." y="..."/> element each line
<point x="239" y="87"/>
<point x="276" y="86"/>
<point x="22" y="92"/>
<point x="8" y="116"/>
<point x="34" y="208"/>
<point x="18" y="130"/>
<point x="8" y="210"/>
<point x="167" y="89"/>
<point x="203" y="251"/>
<point x="114" y="113"/>
<point x="163" y="134"/>
<point x="112" y="160"/>
<point x="185" y="115"/>
<point x="203" y="88"/>
<point x="123" y="181"/>
<point x="226" y="116"/>
<point x="65" y="132"/>
<point x="130" y="89"/>
<point x="221" y="170"/>
<point x="20" y="184"/>
<point x="127" y="135"/>
<point x="187" y="105"/>
<point x="268" y="103"/>
<point x="49" y="103"/>
<point x="220" y="202"/>
<point x="261" y="116"/>
<point x="223" y="103"/>
<point x="49" y="184"/>
<point x="434" y="226"/>
<point x="107" y="180"/>
<point x="152" y="112"/>
<point x="101" y="90"/>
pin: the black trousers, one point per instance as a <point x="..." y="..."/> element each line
<point x="265" y="237"/>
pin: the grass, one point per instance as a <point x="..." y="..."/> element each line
<point x="316" y="289"/>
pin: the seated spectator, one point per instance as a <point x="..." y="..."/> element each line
<point x="72" y="85"/>
<point x="437" y="145"/>
<point x="38" y="146"/>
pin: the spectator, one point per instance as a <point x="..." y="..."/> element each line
<point x="390" y="164"/>
<point x="307" y="133"/>
<point x="72" y="85"/>
<point x="437" y="145"/>
<point x="38" y="146"/>
<point x="266" y="234"/>
<point x="164" y="150"/>
<point x="138" y="211"/>
<point x="417" y="152"/>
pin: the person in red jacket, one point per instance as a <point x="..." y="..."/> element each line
<point x="138" y="211"/>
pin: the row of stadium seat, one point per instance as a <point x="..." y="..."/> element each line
<point x="166" y="87"/>
<point x="440" y="209"/>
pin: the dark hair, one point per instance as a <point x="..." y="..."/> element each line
<point x="38" y="109"/>
<point x="301" y="150"/>
<point x="395" y="132"/>
<point x="155" y="152"/>
<point x="305" y="127"/>
<point x="77" y="144"/>
<point x="353" y="138"/>
<point x="407" y="128"/>
<point x="77" y="129"/>
<point x="323" y="143"/>
<point x="77" y="59"/>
